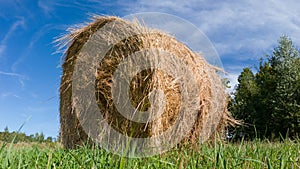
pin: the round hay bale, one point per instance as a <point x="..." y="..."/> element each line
<point x="150" y="86"/>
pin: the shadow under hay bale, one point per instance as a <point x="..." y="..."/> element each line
<point x="168" y="96"/>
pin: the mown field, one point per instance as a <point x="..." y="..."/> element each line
<point x="256" y="154"/>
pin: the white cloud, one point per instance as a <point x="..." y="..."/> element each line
<point x="240" y="30"/>
<point x="235" y="25"/>
<point x="232" y="77"/>
<point x="253" y="26"/>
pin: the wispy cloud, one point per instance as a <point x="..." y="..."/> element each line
<point x="21" y="78"/>
<point x="46" y="6"/>
<point x="11" y="74"/>
<point x="9" y="94"/>
<point x="9" y="33"/>
<point x="2" y="48"/>
<point x="34" y="39"/>
<point x="12" y="29"/>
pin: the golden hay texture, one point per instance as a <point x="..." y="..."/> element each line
<point x="211" y="105"/>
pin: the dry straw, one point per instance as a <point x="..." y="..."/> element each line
<point x="211" y="106"/>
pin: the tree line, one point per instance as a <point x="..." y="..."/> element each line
<point x="15" y="137"/>
<point x="268" y="102"/>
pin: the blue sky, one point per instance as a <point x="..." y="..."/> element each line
<point x="241" y="31"/>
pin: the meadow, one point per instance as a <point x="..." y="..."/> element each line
<point x="254" y="154"/>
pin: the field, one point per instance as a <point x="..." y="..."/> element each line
<point x="255" y="154"/>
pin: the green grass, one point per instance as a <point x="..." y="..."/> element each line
<point x="256" y="154"/>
